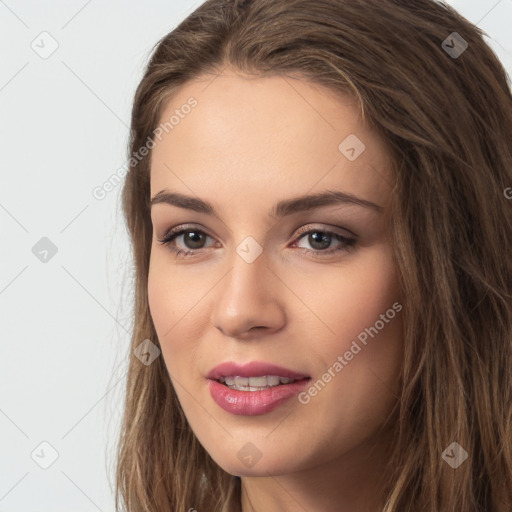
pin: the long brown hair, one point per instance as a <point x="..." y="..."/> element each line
<point x="447" y="120"/>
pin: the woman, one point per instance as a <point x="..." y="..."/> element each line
<point x="320" y="224"/>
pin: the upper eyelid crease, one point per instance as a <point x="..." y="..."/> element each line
<point x="178" y="231"/>
<point x="281" y="209"/>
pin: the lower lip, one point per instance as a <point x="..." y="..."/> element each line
<point x="253" y="403"/>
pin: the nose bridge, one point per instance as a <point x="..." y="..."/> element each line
<point x="246" y="297"/>
<point x="248" y="275"/>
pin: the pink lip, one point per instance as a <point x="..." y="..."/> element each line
<point x="252" y="403"/>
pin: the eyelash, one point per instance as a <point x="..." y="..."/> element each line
<point x="174" y="233"/>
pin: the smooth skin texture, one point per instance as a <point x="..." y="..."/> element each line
<point x="249" y="143"/>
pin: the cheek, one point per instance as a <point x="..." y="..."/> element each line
<point x="361" y="322"/>
<point x="175" y="300"/>
<point x="171" y="296"/>
<point x="369" y="329"/>
<point x="164" y="294"/>
<point x="161" y="297"/>
<point x="348" y="298"/>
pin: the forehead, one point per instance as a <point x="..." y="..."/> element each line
<point x="266" y="133"/>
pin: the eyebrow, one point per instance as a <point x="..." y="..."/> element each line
<point x="281" y="209"/>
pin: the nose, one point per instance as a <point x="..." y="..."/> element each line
<point x="248" y="301"/>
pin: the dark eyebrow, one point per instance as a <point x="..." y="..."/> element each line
<point x="281" y="209"/>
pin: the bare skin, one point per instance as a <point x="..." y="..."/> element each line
<point x="249" y="143"/>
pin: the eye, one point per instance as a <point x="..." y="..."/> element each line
<point x="194" y="239"/>
<point x="321" y="240"/>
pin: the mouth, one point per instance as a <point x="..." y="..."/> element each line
<point x="253" y="388"/>
<point x="254" y="376"/>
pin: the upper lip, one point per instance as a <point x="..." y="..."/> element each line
<point x="252" y="369"/>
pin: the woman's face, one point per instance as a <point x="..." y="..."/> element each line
<point x="309" y="286"/>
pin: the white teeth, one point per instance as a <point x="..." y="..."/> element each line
<point x="241" y="381"/>
<point x="254" y="383"/>
<point x="272" y="380"/>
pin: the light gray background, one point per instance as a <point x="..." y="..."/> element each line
<point x="65" y="322"/>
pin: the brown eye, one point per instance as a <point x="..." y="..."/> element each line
<point x="321" y="240"/>
<point x="193" y="240"/>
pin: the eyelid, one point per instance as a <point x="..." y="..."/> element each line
<point x="175" y="232"/>
<point x="326" y="228"/>
<point x="300" y="231"/>
<point x="185" y="227"/>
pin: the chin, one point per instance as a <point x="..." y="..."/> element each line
<point x="265" y="466"/>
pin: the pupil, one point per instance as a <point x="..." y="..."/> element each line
<point x="324" y="237"/>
